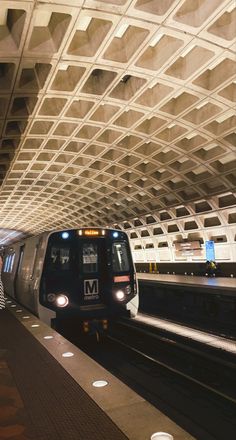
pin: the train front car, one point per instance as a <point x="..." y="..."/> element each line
<point x="89" y="277"/>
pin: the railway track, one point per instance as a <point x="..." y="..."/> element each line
<point x="195" y="389"/>
<point x="210" y="367"/>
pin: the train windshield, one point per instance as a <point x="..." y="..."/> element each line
<point x="120" y="257"/>
<point x="59" y="258"/>
<point x="90" y="257"/>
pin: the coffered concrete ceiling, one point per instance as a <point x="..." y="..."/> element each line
<point x="113" y="110"/>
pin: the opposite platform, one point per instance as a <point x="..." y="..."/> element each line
<point x="224" y="284"/>
<point x="45" y="395"/>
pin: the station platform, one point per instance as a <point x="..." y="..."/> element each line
<point x="224" y="284"/>
<point x="49" y="389"/>
<point x="202" y="302"/>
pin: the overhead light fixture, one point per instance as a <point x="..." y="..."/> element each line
<point x="153" y="83"/>
<point x="42" y="18"/>
<point x="187" y="50"/>
<point x="202" y="104"/>
<point x="155" y="40"/>
<point x="231" y="6"/>
<point x="63" y="67"/>
<point x="177" y="94"/>
<point x="215" y="63"/>
<point x="121" y="30"/>
<point x="191" y="135"/>
<point x="225" y="116"/>
<point x="3" y="17"/>
<point x="83" y="23"/>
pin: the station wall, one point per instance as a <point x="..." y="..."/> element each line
<point x="179" y="234"/>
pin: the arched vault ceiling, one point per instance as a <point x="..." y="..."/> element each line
<point x="114" y="109"/>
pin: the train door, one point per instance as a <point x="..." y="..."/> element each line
<point x="33" y="277"/>
<point x="17" y="280"/>
<point x="93" y="273"/>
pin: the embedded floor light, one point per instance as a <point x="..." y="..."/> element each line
<point x="100" y="383"/>
<point x="18" y="311"/>
<point x="67" y="354"/>
<point x="25" y="317"/>
<point x="48" y="337"/>
<point x="35" y="325"/>
<point x="162" y="436"/>
<point x="13" y="305"/>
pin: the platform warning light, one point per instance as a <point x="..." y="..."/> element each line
<point x="162" y="436"/>
<point x="100" y="383"/>
<point x="65" y="235"/>
<point x="67" y="354"/>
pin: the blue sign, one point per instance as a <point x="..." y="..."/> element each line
<point x="210" y="250"/>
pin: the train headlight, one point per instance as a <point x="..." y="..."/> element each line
<point x="51" y="297"/>
<point x="65" y="235"/>
<point x="120" y="295"/>
<point x="62" y="301"/>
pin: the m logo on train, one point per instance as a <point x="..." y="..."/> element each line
<point x="91" y="289"/>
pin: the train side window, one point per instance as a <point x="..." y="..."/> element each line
<point x="34" y="260"/>
<point x="90" y="257"/>
<point x="120" y="257"/>
<point x="6" y="263"/>
<point x="59" y="258"/>
<point x="21" y="258"/>
<point x="11" y="262"/>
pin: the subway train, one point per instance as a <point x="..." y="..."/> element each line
<point x="85" y="276"/>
